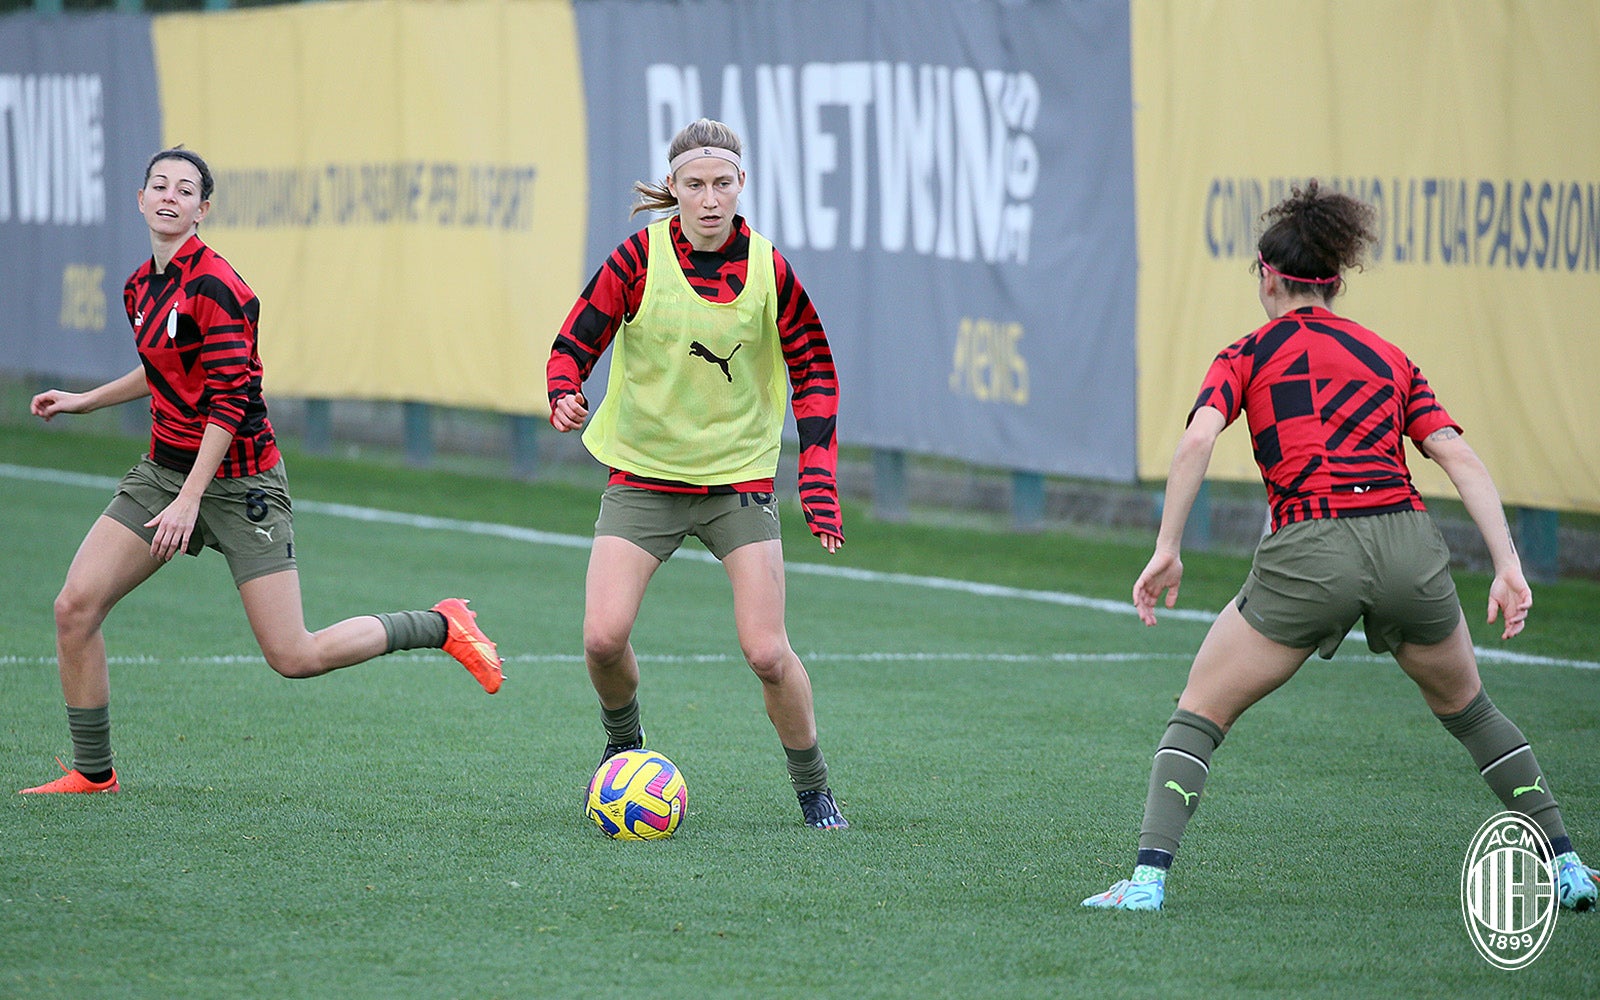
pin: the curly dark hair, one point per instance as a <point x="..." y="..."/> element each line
<point x="1317" y="234"/>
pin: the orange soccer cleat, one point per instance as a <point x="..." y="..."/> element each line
<point x="73" y="783"/>
<point x="465" y="641"/>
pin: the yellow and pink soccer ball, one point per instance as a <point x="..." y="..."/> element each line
<point x="637" y="795"/>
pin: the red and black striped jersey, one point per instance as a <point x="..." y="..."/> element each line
<point x="1330" y="404"/>
<point x="194" y="325"/>
<point x="613" y="297"/>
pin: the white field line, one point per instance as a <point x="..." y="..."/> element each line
<point x="576" y="658"/>
<point x="531" y="536"/>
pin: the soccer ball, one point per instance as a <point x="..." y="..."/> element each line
<point x="637" y="795"/>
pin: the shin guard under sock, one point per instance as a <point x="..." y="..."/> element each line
<point x="622" y="724"/>
<point x="1183" y="759"/>
<point x="1506" y="762"/>
<point x="807" y="770"/>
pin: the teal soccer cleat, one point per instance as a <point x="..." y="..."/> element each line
<point x="1576" y="882"/>
<point x="1144" y="891"/>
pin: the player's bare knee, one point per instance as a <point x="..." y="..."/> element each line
<point x="771" y="661"/>
<point x="76" y="613"/>
<point x="295" y="663"/>
<point x="67" y="611"/>
<point x="604" y="647"/>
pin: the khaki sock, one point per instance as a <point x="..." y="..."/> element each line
<point x="622" y="724"/>
<point x="91" y="740"/>
<point x="1506" y="762"/>
<point x="807" y="770"/>
<point x="1182" y="761"/>
<point x="414" y="629"/>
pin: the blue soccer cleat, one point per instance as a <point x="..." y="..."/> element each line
<point x="1144" y="891"/>
<point x="1576" y="882"/>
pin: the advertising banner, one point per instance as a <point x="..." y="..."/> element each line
<point x="952" y="183"/>
<point x="79" y="117"/>
<point x="402" y="184"/>
<point x="1471" y="127"/>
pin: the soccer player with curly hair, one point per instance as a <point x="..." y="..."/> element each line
<point x="1330" y="405"/>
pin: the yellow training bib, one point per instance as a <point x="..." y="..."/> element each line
<point x="697" y="389"/>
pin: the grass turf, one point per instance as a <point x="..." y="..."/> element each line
<point x="390" y="829"/>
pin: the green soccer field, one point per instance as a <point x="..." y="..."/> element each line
<point x="987" y="701"/>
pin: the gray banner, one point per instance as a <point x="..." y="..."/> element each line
<point x="79" y="114"/>
<point x="952" y="182"/>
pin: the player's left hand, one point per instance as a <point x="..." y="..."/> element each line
<point x="569" y="412"/>
<point x="1509" y="593"/>
<point x="833" y="543"/>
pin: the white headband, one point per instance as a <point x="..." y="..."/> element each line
<point x="702" y="151"/>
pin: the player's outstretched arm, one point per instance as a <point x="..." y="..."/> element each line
<point x="119" y="390"/>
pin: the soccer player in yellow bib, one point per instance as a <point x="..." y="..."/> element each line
<point x="709" y="330"/>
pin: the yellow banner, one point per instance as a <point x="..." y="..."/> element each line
<point x="1472" y="125"/>
<point x="404" y="185"/>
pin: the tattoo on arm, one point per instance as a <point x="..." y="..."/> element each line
<point x="1442" y="434"/>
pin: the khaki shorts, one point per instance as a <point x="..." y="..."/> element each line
<point x="248" y="519"/>
<point x="658" y="522"/>
<point x="1312" y="580"/>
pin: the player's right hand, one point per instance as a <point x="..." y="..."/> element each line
<point x="1161" y="575"/>
<point x="53" y="401"/>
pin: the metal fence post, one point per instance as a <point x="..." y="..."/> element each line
<point x="524" y="446"/>
<point x="418" y="433"/>
<point x="319" y="426"/>
<point x="1027" y="501"/>
<point x="889" y="485"/>
<point x="1539" y="543"/>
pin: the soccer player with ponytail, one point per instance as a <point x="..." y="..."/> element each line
<point x="1330" y="405"/>
<point x="710" y="331"/>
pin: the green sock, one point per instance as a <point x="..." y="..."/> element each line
<point x="91" y="741"/>
<point x="807" y="770"/>
<point x="1183" y="759"/>
<point x="414" y="629"/>
<point x="622" y="724"/>
<point x="1506" y="762"/>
